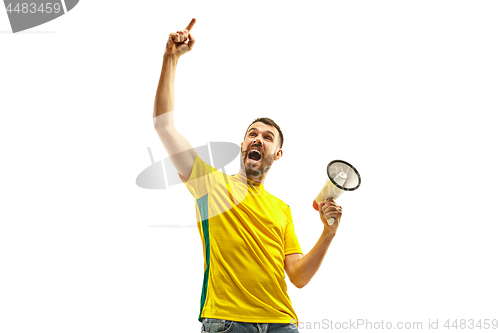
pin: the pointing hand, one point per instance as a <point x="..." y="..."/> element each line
<point x="181" y="41"/>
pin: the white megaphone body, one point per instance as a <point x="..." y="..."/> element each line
<point x="341" y="177"/>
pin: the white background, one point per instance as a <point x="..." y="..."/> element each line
<point x="405" y="91"/>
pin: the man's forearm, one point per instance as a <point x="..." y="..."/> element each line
<point x="309" y="264"/>
<point x="164" y="100"/>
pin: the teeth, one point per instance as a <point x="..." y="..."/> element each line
<point x="255" y="150"/>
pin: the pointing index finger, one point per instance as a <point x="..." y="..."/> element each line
<point x="191" y="24"/>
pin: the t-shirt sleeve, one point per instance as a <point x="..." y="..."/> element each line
<point x="202" y="177"/>
<point x="291" y="242"/>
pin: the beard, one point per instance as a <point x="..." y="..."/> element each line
<point x="257" y="169"/>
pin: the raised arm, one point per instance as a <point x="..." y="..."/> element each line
<point x="178" y="148"/>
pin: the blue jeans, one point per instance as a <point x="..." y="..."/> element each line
<point x="211" y="325"/>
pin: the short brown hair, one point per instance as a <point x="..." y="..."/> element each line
<point x="270" y="122"/>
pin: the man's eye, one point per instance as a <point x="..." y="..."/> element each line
<point x="251" y="134"/>
<point x="268" y="137"/>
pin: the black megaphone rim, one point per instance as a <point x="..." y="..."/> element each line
<point x="335" y="183"/>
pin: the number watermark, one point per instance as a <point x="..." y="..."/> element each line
<point x="24" y="15"/>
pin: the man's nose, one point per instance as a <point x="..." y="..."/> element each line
<point x="257" y="139"/>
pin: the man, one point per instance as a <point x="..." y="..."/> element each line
<point x="248" y="236"/>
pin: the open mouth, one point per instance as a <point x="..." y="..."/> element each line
<point x="254" y="155"/>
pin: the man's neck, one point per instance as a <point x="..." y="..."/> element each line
<point x="254" y="179"/>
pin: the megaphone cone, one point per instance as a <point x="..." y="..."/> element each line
<point x="342" y="177"/>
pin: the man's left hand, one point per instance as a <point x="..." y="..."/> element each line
<point x="327" y="209"/>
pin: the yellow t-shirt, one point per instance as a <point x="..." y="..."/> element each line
<point x="246" y="233"/>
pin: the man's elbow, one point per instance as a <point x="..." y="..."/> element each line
<point x="299" y="284"/>
<point x="164" y="121"/>
<point x="162" y="127"/>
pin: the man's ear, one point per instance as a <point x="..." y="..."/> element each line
<point x="278" y="155"/>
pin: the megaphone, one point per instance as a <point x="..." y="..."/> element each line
<point x="341" y="177"/>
